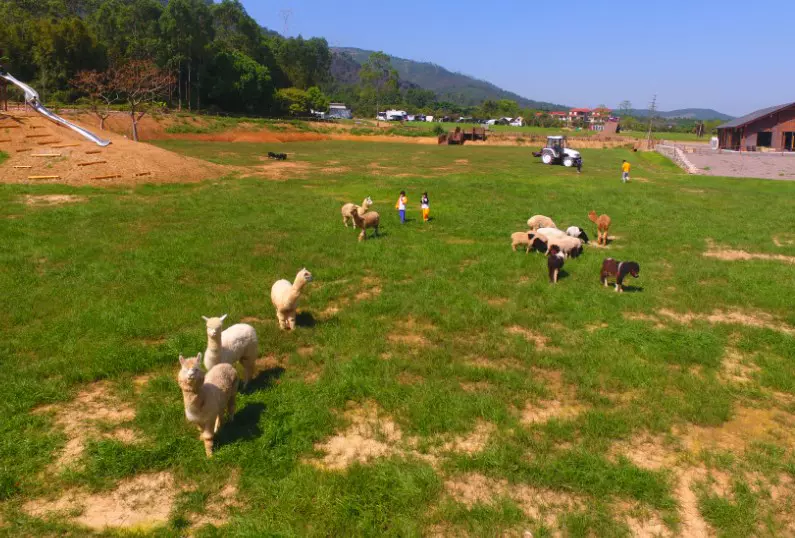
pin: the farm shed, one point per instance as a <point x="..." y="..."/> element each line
<point x="772" y="128"/>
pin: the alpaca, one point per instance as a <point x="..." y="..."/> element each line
<point x="285" y="295"/>
<point x="207" y="397"/>
<point x="348" y="209"/>
<point x="579" y="233"/>
<point x="554" y="263"/>
<point x="522" y="238"/>
<point x="237" y="343"/>
<point x="602" y="226"/>
<point x="366" y="220"/>
<point x="620" y="270"/>
<point x="540" y="221"/>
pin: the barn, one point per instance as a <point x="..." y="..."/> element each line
<point x="772" y="128"/>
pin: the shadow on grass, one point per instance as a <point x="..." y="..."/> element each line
<point x="305" y="319"/>
<point x="633" y="289"/>
<point x="264" y="380"/>
<point x="244" y="427"/>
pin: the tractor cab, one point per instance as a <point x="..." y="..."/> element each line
<point x="557" y="144"/>
<point x="556" y="152"/>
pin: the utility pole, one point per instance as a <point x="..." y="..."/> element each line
<point x="652" y="113"/>
<point x="286" y="14"/>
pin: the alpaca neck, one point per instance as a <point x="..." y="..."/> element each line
<point x="298" y="285"/>
<point x="214" y="344"/>
<point x="193" y="398"/>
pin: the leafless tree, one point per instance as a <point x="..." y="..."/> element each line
<point x="101" y="94"/>
<point x="141" y="85"/>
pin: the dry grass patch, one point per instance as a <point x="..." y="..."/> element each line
<point x="714" y="251"/>
<point x="407" y="378"/>
<point x="543" y="505"/>
<point x="410" y="333"/>
<point x="746" y="426"/>
<point x="473" y="442"/>
<point x="647" y="452"/>
<point x="784" y="240"/>
<point x="459" y="241"/>
<point x="95" y="413"/>
<point x="737" y="368"/>
<point x="476" y="386"/>
<point x="52" y="199"/>
<point x="282" y="170"/>
<point x="759" y="320"/>
<point x="142" y="501"/>
<point x="541" y="342"/>
<point x="219" y="505"/>
<point x="543" y="411"/>
<point x="497" y="302"/>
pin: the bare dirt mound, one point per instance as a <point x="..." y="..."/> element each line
<point x="44" y="152"/>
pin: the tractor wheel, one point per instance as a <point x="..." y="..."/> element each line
<point x="568" y="162"/>
<point x="547" y="158"/>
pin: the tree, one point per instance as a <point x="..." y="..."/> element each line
<point x="379" y="77"/>
<point x="239" y="84"/>
<point x="141" y="84"/>
<point x="293" y="100"/>
<point x="317" y="99"/>
<point x="624" y="107"/>
<point x="99" y="90"/>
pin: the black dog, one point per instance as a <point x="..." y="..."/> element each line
<point x="620" y="270"/>
<point x="554" y="263"/>
<point x="277" y="156"/>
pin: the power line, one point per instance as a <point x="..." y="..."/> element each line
<point x="285" y="15"/>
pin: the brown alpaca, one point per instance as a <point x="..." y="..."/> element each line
<point x="602" y="226"/>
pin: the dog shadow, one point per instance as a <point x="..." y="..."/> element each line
<point x="244" y="427"/>
<point x="633" y="289"/>
<point x="305" y="319"/>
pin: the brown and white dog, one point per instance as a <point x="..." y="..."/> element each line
<point x="620" y="270"/>
<point x="554" y="263"/>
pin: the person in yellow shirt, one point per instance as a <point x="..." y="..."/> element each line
<point x="625" y="167"/>
<point x="401" y="206"/>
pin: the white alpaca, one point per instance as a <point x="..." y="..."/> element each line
<point x="207" y="397"/>
<point x="285" y="295"/>
<point x="540" y="221"/>
<point x="237" y="343"/>
<point x="348" y="210"/>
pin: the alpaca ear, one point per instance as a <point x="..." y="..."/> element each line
<point x="205" y="318"/>
<point x="199" y="358"/>
<point x="182" y="360"/>
<point x="224" y="317"/>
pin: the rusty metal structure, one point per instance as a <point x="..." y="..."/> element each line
<point x="770" y="129"/>
<point x="459" y="136"/>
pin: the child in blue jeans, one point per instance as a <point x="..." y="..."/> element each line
<point x="401" y="206"/>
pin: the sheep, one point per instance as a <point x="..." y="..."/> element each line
<point x="579" y="233"/>
<point x="602" y="226"/>
<point x="285" y="295"/>
<point x="366" y="220"/>
<point x="540" y="221"/>
<point x="348" y="209"/>
<point x="237" y="343"/>
<point x="569" y="246"/>
<point x="207" y="397"/>
<point x="522" y="238"/>
<point x="551" y="232"/>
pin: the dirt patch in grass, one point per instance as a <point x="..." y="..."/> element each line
<point x="497" y="302"/>
<point x="646" y="452"/>
<point x="335" y="170"/>
<point x="543" y="505"/>
<point x="759" y="320"/>
<point x="410" y="333"/>
<point x="219" y="505"/>
<point x="306" y="351"/>
<point x="784" y="240"/>
<point x="694" y="191"/>
<point x="692" y="523"/>
<point x="52" y="199"/>
<point x="95" y="413"/>
<point x="596" y="326"/>
<point x="144" y="500"/>
<point x="715" y="251"/>
<point x="736" y="368"/>
<point x="641" y="180"/>
<point x="541" y="342"/>
<point x="370" y="288"/>
<point x="250" y="319"/>
<point x="473" y="442"/>
<point x="543" y="411"/>
<point x="746" y="426"/>
<point x="459" y="241"/>
<point x="407" y="378"/>
<point x="462" y="161"/>
<point x="280" y="170"/>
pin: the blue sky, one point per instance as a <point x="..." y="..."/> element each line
<point x="728" y="55"/>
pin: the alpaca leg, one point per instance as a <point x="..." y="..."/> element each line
<point x="362" y="235"/>
<point x="248" y="370"/>
<point x="291" y="321"/>
<point x="282" y="321"/>
<point x="219" y="422"/>
<point x="345" y="221"/>
<point x="230" y="407"/>
<point x="207" y="437"/>
<point x="513" y="247"/>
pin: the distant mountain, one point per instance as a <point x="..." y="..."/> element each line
<point x="684" y="113"/>
<point x="454" y="87"/>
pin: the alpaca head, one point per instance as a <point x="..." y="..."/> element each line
<point x="592" y="216"/>
<point x="303" y="276"/>
<point x="190" y="374"/>
<point x="367" y="203"/>
<point x="215" y="326"/>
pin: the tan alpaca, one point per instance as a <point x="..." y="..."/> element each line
<point x="602" y="226"/>
<point x="366" y="220"/>
<point x="285" y="295"/>
<point x="522" y="239"/>
<point x="207" y="397"/>
<point x="348" y="210"/>
<point x="237" y="343"/>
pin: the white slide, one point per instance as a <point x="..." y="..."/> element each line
<point x="32" y="99"/>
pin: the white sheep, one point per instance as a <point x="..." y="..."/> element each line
<point x="366" y="220"/>
<point x="207" y="397"/>
<point x="569" y="246"/>
<point x="285" y="295"/>
<point x="237" y="343"/>
<point x="579" y="233"/>
<point x="551" y="232"/>
<point x="348" y="210"/>
<point x="540" y="221"/>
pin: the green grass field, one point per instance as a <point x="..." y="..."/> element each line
<point x="488" y="401"/>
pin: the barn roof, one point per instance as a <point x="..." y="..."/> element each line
<point x="753" y="116"/>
